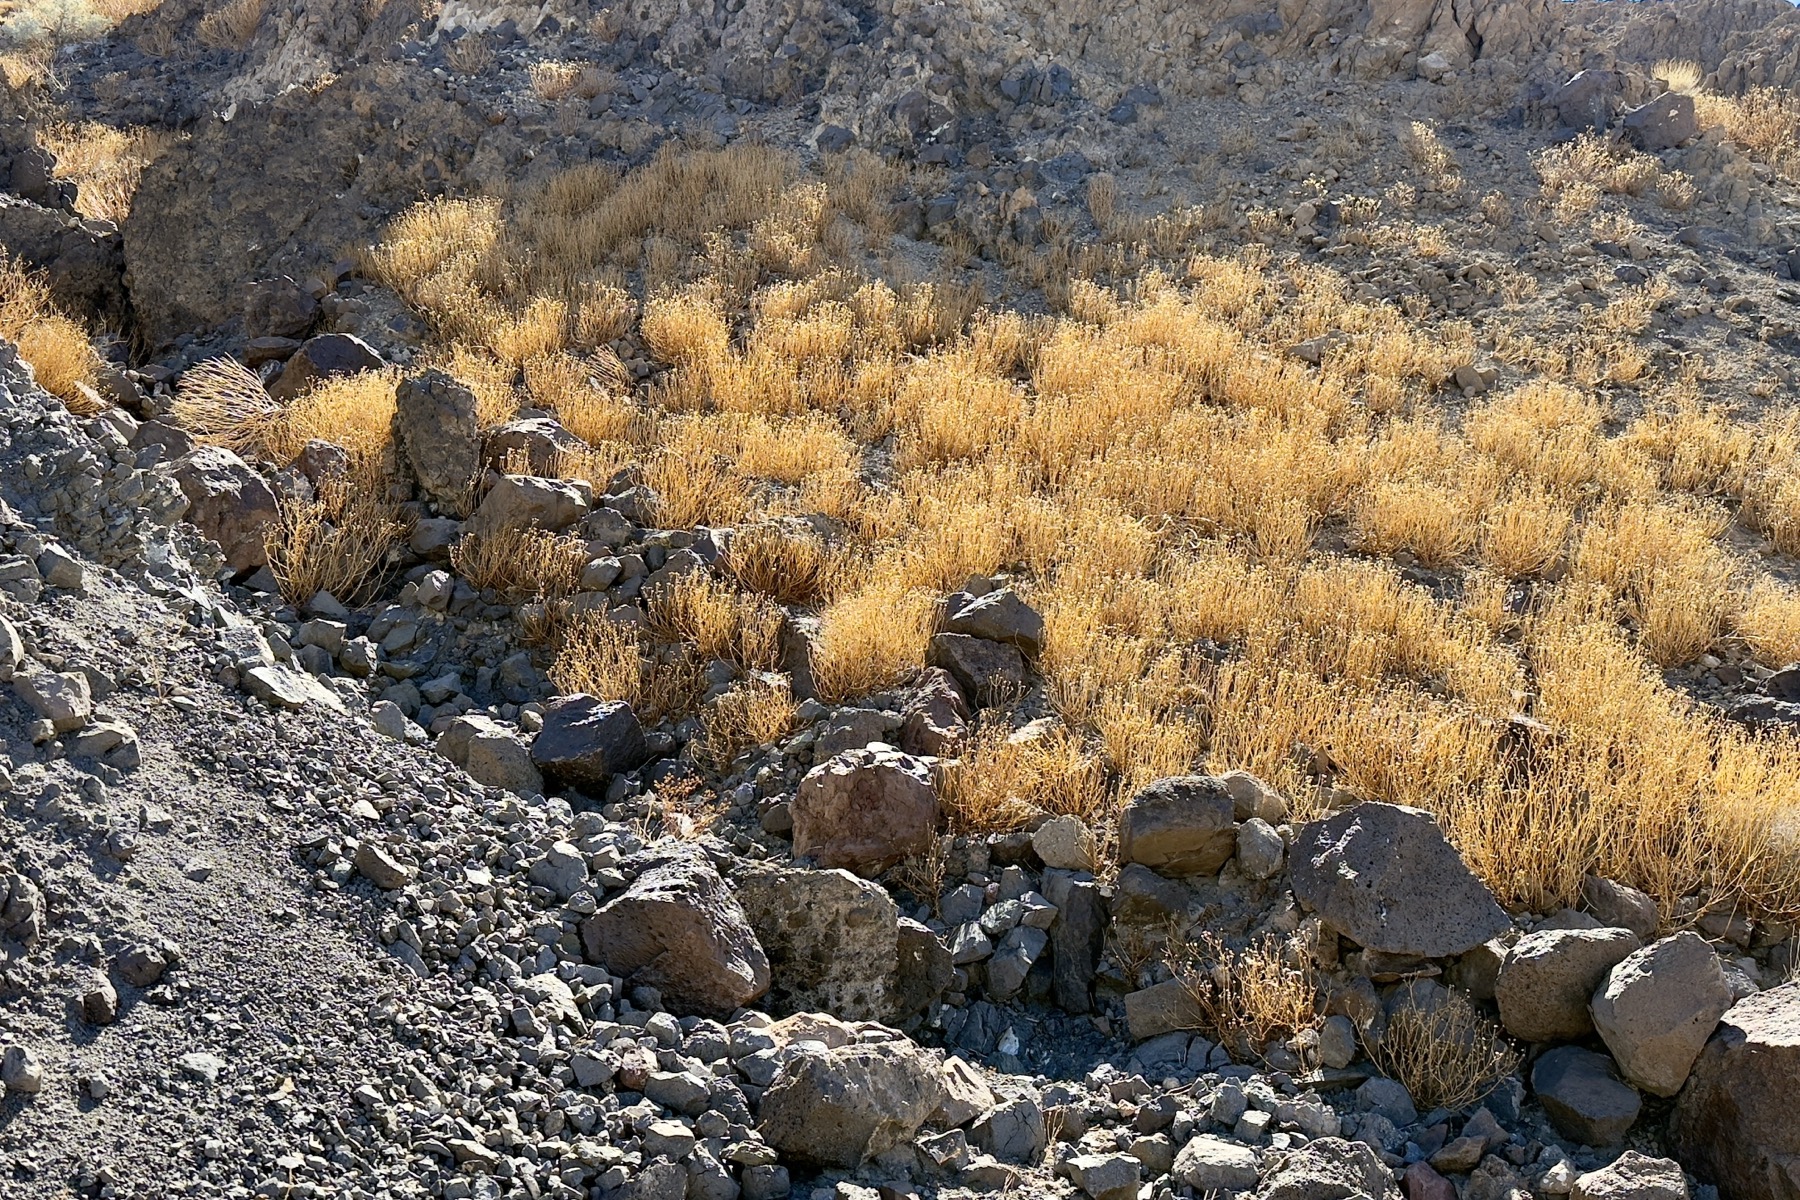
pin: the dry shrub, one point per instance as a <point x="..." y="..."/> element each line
<point x="719" y="622"/>
<point x="104" y="163"/>
<point x="551" y="80"/>
<point x="1765" y="121"/>
<point x="1429" y="520"/>
<point x="521" y="563"/>
<point x="355" y="412"/>
<point x="760" y="711"/>
<point x="232" y="25"/>
<point x="1002" y="781"/>
<point x="606" y="659"/>
<point x="340" y="541"/>
<point x="1680" y="75"/>
<point x="1524" y="534"/>
<point x="1770" y="623"/>
<point x="870" y="640"/>
<point x="1250" y="997"/>
<point x="223" y="403"/>
<point x="1448" y="1056"/>
<point x="56" y="346"/>
<point x="789" y="564"/>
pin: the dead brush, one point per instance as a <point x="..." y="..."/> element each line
<point x="759" y="711"/>
<point x="232" y="25"/>
<point x="1449" y="1056"/>
<point x="1001" y="782"/>
<point x="719" y="622"/>
<point x="223" y="403"/>
<point x="521" y="563"/>
<point x="340" y="541"/>
<point x="1247" y="998"/>
<point x="609" y="660"/>
<point x="787" y="564"/>
<point x="104" y="163"/>
<point x="56" y="346"/>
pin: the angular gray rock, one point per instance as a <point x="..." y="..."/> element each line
<point x="985" y="671"/>
<point x="1734" y="1122"/>
<point x="935" y="719"/>
<point x="1633" y="1176"/>
<point x="1383" y="876"/>
<point x="1619" y="906"/>
<point x="1662" y="124"/>
<point x="437" y="435"/>
<point x="20" y="1073"/>
<point x="532" y="444"/>
<point x="839" y="1107"/>
<point x="831" y="939"/>
<point x="1000" y="616"/>
<point x="319" y="359"/>
<point x="381" y="868"/>
<point x="1584" y="1097"/>
<point x="12" y="651"/>
<point x="679" y="929"/>
<point x="1105" y="1176"/>
<point x="229" y="503"/>
<point x="62" y="698"/>
<point x="1260" y="850"/>
<point x="1327" y="1168"/>
<point x="1179" y="826"/>
<point x="585" y="741"/>
<point x="21" y="908"/>
<point x="529" y="502"/>
<point x="1211" y="1164"/>
<point x="865" y="810"/>
<point x="1657" y="1008"/>
<point x="1548" y="977"/>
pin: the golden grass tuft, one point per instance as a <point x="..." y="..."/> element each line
<point x="520" y="563"/>
<point x="1448" y="1057"/>
<point x="1265" y="992"/>
<point x="1002" y="781"/>
<point x="720" y="623"/>
<point x="104" y="163"/>
<point x="606" y="659"/>
<point x="223" y="403"/>
<point x="232" y="25"/>
<point x="56" y="346"/>
<point x="759" y="711"/>
<point x="787" y="564"/>
<point x="340" y="541"/>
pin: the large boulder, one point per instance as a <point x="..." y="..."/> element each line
<point x="1658" y="1007"/>
<point x="320" y="358"/>
<point x="1383" y="876"/>
<point x="585" y="741"/>
<point x="865" y="810"/>
<point x="65" y="699"/>
<point x="839" y="1106"/>
<point x="530" y="502"/>
<point x="1548" y="977"/>
<point x="1633" y="1176"/>
<point x="437" y="436"/>
<point x="1179" y="826"/>
<point x="831" y="939"/>
<point x="1584" y="1097"/>
<point x="985" y="671"/>
<point x="1328" y="1168"/>
<point x="1000" y="616"/>
<point x="531" y="444"/>
<point x="679" y="929"/>
<point x="229" y="503"/>
<point x="1735" y="1122"/>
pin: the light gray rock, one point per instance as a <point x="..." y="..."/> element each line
<point x="1210" y="1164"/>
<point x="12" y="650"/>
<point x="1105" y="1176"/>
<point x="62" y="698"/>
<point x="1619" y="906"/>
<point x="1327" y="1169"/>
<point x="1260" y="850"/>
<point x="1000" y="616"/>
<point x="381" y="868"/>
<point x="1634" y="1176"/>
<point x="1064" y="843"/>
<point x="563" y="869"/>
<point x="20" y="1073"/>
<point x="831" y="939"/>
<point x="530" y="502"/>
<point x="1657" y="1008"/>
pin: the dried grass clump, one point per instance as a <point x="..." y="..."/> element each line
<point x="719" y="622"/>
<point x="56" y="346"/>
<point x="223" y="403"/>
<point x="1770" y="623"/>
<point x="1447" y="1057"/>
<point x="757" y="712"/>
<point x="870" y="640"/>
<point x="355" y="412"/>
<point x="104" y="163"/>
<point x="1248" y="998"/>
<point x="521" y="563"/>
<point x="606" y="659"/>
<point x="1002" y="781"/>
<point x="340" y="541"/>
<point x="232" y="25"/>
<point x="551" y="81"/>
<point x="787" y="564"/>
<point x="1765" y="121"/>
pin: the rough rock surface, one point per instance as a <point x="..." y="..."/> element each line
<point x="1582" y="1093"/>
<point x="841" y="1106"/>
<point x="1734" y="1123"/>
<point x="1548" y="977"/>
<point x="229" y="503"/>
<point x="1384" y="877"/>
<point x="1179" y="826"/>
<point x="1657" y="1008"/>
<point x="832" y="941"/>
<point x="866" y="810"/>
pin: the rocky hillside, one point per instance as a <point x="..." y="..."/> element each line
<point x="660" y="602"/>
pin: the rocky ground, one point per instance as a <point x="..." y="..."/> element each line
<point x="318" y="899"/>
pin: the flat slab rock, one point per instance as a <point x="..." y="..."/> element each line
<point x="1385" y="877"/>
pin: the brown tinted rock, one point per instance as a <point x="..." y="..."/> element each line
<point x="1657" y="1007"/>
<point x="1735" y="1122"/>
<point x="866" y="810"/>
<point x="1634" y="1176"/>
<point x="437" y="436"/>
<point x="679" y="929"/>
<point x="1619" y="906"/>
<point x="229" y="503"/>
<point x="839" y="1107"/>
<point x="1383" y="876"/>
<point x="1179" y="826"/>
<point x="936" y="717"/>
<point x="320" y="358"/>
<point x="1000" y="616"/>
<point x="1548" y="977"/>
<point x="1161" y="1008"/>
<point x="278" y="308"/>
